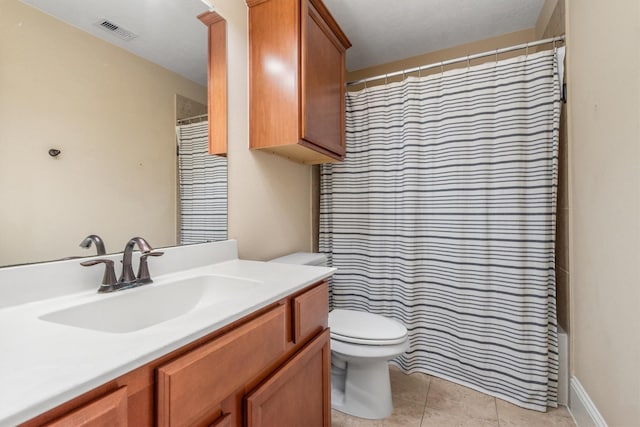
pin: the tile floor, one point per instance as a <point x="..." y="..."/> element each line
<point x="422" y="401"/>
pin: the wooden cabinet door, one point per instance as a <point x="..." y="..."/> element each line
<point x="217" y="82"/>
<point x="107" y="411"/>
<point x="298" y="394"/>
<point x="323" y="86"/>
<point x="191" y="388"/>
<point x="273" y="72"/>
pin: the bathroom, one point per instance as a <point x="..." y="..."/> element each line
<point x="272" y="201"/>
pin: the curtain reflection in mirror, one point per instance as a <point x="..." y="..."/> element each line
<point x="202" y="184"/>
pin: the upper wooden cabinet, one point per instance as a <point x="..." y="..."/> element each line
<point x="296" y="74"/>
<point x="217" y="82"/>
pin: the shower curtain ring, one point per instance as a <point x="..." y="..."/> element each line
<point x="419" y="72"/>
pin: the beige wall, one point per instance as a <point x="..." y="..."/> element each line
<point x="187" y="108"/>
<point x="551" y="19"/>
<point x="269" y="196"/>
<point x="113" y="116"/>
<point x="604" y="152"/>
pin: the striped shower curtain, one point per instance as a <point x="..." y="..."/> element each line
<point x="202" y="186"/>
<point x="442" y="217"/>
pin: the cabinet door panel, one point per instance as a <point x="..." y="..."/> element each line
<point x="191" y="388"/>
<point x="323" y="85"/>
<point x="217" y="81"/>
<point x="310" y="312"/>
<point x="273" y="61"/>
<point x="298" y="394"/>
<point x="107" y="411"/>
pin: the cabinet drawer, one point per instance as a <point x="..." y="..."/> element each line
<point x="310" y="312"/>
<point x="107" y="411"/>
<point x="191" y="387"/>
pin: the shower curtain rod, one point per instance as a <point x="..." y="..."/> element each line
<point x="194" y="119"/>
<point x="461" y="59"/>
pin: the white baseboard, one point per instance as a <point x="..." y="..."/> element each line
<point x="582" y="408"/>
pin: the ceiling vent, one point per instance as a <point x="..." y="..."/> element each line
<point x="116" y="30"/>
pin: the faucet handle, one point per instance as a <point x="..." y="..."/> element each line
<point x="109" y="277"/>
<point x="143" y="268"/>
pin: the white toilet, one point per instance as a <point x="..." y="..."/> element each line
<point x="361" y="346"/>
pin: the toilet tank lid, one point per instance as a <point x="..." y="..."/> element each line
<point x="303" y="258"/>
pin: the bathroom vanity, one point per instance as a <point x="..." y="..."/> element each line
<point x="244" y="343"/>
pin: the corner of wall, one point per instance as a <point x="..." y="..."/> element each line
<point x="315" y="207"/>
<point x="545" y="16"/>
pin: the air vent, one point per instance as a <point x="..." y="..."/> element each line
<point x="116" y="30"/>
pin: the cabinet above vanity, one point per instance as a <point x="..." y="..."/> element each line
<point x="297" y="84"/>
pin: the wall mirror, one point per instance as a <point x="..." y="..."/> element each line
<point x="91" y="95"/>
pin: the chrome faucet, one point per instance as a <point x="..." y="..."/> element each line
<point x="95" y="239"/>
<point x="127" y="279"/>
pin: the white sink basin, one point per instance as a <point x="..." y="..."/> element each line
<point x="134" y="309"/>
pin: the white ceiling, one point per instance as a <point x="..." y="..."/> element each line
<point x="388" y="30"/>
<point x="169" y="33"/>
<point x="380" y="31"/>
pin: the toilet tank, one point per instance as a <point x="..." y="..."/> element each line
<point x="303" y="258"/>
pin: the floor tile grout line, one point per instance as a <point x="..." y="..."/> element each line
<point x="495" y="403"/>
<point x="426" y="397"/>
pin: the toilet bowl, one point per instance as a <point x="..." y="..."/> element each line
<point x="361" y="346"/>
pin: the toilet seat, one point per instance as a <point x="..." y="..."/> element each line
<point x="357" y="327"/>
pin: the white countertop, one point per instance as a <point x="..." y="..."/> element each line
<point x="44" y="364"/>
